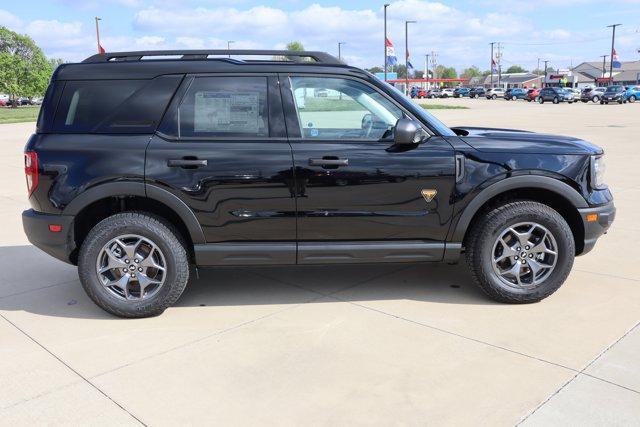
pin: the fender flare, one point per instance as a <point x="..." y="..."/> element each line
<point x="112" y="189"/>
<point x="528" y="181"/>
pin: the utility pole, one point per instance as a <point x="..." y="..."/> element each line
<point x="491" y="63"/>
<point x="538" y="68"/>
<point x="98" y="34"/>
<point x="229" y="47"/>
<point x="613" y="40"/>
<point x="340" y="50"/>
<point x="604" y="67"/>
<point x="406" y="55"/>
<point x="499" y="57"/>
<point x="426" y="69"/>
<point x="385" y="41"/>
<point x="544" y="83"/>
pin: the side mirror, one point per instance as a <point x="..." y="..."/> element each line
<point x="406" y="132"/>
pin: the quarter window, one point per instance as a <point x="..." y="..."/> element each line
<point x="342" y="109"/>
<point x="225" y="107"/>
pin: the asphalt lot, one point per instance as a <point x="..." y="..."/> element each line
<point x="340" y="345"/>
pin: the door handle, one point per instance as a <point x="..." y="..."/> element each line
<point x="186" y="163"/>
<point x="326" y="161"/>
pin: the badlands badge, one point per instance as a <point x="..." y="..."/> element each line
<point x="429" y="194"/>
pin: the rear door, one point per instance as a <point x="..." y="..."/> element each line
<point x="222" y="149"/>
<point x="359" y="197"/>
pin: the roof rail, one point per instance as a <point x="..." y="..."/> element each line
<point x="315" y="57"/>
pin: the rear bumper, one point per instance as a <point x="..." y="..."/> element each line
<point x="594" y="229"/>
<point x="57" y="244"/>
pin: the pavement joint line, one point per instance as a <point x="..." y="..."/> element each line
<point x="319" y="296"/>
<point x="40" y="395"/>
<point x="442" y="330"/>
<point x="582" y="372"/>
<point x="37" y="289"/>
<point x="613" y="276"/>
<point x="85" y="379"/>
<point x="204" y="338"/>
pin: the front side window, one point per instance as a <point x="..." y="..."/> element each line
<point x="342" y="109"/>
<point x="225" y="107"/>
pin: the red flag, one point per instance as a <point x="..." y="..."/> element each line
<point x="101" y="50"/>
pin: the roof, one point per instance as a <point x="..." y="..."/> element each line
<point x="511" y="78"/>
<point x="150" y="64"/>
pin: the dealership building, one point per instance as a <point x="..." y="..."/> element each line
<point x="589" y="74"/>
<point x="508" y="80"/>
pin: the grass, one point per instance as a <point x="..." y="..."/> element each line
<point x="443" y="107"/>
<point x="331" y="104"/>
<point x="19" y="115"/>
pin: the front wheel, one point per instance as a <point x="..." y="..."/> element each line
<point x="596" y="99"/>
<point x="541" y="100"/>
<point x="632" y="98"/>
<point x="556" y="100"/>
<point x="520" y="252"/>
<point x="133" y="265"/>
<point x="494" y="97"/>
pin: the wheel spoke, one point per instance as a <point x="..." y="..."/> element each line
<point x="515" y="271"/>
<point x="507" y="251"/>
<point x="145" y="281"/>
<point x="130" y="249"/>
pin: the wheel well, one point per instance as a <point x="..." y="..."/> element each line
<point x="552" y="199"/>
<point x="95" y="212"/>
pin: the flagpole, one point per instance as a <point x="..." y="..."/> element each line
<point x="385" y="41"/>
<point x="613" y="40"/>
<point x="406" y="56"/>
<point x="98" y="33"/>
<point x="491" y="63"/>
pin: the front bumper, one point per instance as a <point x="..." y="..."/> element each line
<point x="57" y="244"/>
<point x="593" y="229"/>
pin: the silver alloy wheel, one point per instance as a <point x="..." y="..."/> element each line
<point x="131" y="267"/>
<point x="524" y="255"/>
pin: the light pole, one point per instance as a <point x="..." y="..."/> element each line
<point x="613" y="40"/>
<point x="426" y="69"/>
<point x="385" y="41"/>
<point x="98" y="34"/>
<point x="340" y="49"/>
<point x="491" y="63"/>
<point x="544" y="83"/>
<point x="229" y="47"/>
<point x="406" y="55"/>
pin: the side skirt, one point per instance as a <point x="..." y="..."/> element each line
<point x="342" y="252"/>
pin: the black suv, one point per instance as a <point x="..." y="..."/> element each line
<point x="144" y="164"/>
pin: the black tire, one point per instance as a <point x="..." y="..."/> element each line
<point x="483" y="234"/>
<point x="162" y="234"/>
<point x="541" y="100"/>
<point x="514" y="98"/>
<point x="632" y="99"/>
<point x="556" y="100"/>
<point x="595" y="99"/>
<point x="494" y="97"/>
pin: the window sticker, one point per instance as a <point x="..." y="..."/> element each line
<point x="220" y="111"/>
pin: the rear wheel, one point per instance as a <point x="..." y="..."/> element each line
<point x="494" y="97"/>
<point x="514" y="98"/>
<point x="596" y="99"/>
<point x="133" y="265"/>
<point x="520" y="252"/>
<point x="556" y="100"/>
<point x="632" y="98"/>
<point x="541" y="100"/>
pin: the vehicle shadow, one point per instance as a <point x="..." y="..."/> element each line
<point x="48" y="287"/>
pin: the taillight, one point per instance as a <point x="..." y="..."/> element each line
<point x="31" y="171"/>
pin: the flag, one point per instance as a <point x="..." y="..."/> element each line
<point x="409" y="66"/>
<point x="615" y="63"/>
<point x="101" y="50"/>
<point x="494" y="68"/>
<point x="392" y="59"/>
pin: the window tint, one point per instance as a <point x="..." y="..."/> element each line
<point x="225" y="107"/>
<point x="86" y="104"/>
<point x="342" y="109"/>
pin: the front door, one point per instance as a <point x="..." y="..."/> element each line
<point x="222" y="149"/>
<point x="359" y="197"/>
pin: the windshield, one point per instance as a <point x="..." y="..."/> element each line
<point x="614" y="88"/>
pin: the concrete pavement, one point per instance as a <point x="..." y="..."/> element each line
<point x="385" y="344"/>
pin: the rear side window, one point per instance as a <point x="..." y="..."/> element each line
<point x="225" y="107"/>
<point x="114" y="106"/>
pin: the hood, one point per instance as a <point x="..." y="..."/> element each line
<point x="511" y="140"/>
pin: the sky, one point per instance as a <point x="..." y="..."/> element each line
<point x="564" y="32"/>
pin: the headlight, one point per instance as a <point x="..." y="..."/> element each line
<point x="597" y="171"/>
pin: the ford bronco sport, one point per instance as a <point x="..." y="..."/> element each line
<point x="144" y="164"/>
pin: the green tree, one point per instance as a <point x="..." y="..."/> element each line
<point x="515" y="69"/>
<point x="486" y="73"/>
<point x="24" y="70"/>
<point x="443" y="72"/>
<point x="295" y="46"/>
<point x="470" y="72"/>
<point x="375" y="69"/>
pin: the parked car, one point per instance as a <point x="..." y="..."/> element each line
<point x="461" y="92"/>
<point x="37" y="100"/>
<point x="515" y="93"/>
<point x="210" y="190"/>
<point x="477" y="92"/>
<point x="633" y="93"/>
<point x="447" y="92"/>
<point x="433" y="93"/>
<point x="555" y="95"/>
<point x="494" y="93"/>
<point x="592" y="94"/>
<point x="576" y="92"/>
<point x="422" y="93"/>
<point x="614" y="93"/>
<point x="4" y="99"/>
<point x="532" y="94"/>
<point x="413" y="92"/>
